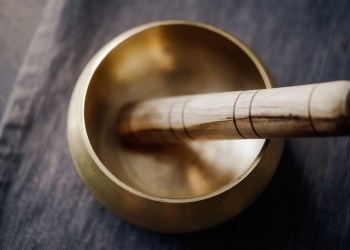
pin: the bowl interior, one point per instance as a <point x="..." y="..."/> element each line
<point x="169" y="60"/>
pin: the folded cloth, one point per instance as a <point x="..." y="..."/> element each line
<point x="43" y="203"/>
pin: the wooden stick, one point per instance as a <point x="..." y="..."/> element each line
<point x="321" y="109"/>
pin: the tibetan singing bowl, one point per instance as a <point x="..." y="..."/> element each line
<point x="179" y="187"/>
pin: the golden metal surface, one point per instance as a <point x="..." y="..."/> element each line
<point x="169" y="188"/>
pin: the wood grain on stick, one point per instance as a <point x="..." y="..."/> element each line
<point x="321" y="109"/>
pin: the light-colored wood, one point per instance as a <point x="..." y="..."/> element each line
<point x="308" y="110"/>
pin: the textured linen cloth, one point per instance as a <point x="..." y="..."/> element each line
<point x="43" y="203"/>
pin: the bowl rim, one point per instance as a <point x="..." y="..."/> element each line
<point x="93" y="64"/>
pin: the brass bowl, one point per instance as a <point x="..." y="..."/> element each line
<point x="178" y="187"/>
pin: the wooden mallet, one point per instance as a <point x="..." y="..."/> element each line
<point x="321" y="109"/>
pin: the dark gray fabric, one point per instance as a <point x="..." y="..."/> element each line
<point x="18" y="20"/>
<point x="43" y="203"/>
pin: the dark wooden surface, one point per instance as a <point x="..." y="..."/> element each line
<point x="44" y="205"/>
